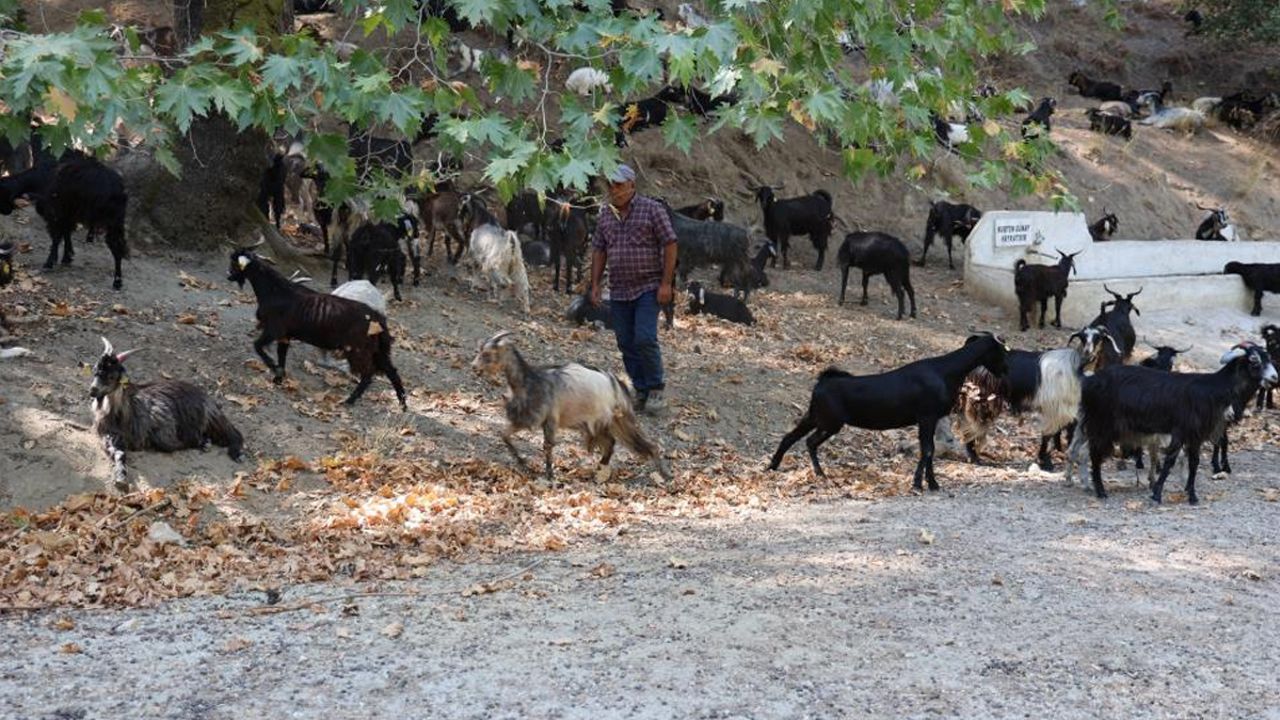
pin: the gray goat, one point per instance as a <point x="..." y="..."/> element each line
<point x="168" y="415"/>
<point x="565" y="396"/>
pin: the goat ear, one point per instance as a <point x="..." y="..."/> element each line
<point x="124" y="355"/>
<point x="702" y="296"/>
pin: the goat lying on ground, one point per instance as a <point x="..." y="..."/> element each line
<point x="920" y="393"/>
<point x="167" y="415"/>
<point x="1088" y="87"/>
<point x="725" y="307"/>
<point x="582" y="311"/>
<point x="568" y="396"/>
<point x="877" y="254"/>
<point x="1259" y="278"/>
<point x="288" y="311"/>
<point x="1108" y="124"/>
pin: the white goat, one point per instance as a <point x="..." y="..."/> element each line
<point x="574" y="396"/>
<point x="585" y="80"/>
<point x="497" y="254"/>
<point x="1175" y="118"/>
<point x="1206" y="105"/>
<point x="690" y="17"/>
<point x="362" y="291"/>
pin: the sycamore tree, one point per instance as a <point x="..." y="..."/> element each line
<point x="1249" y="19"/>
<point x="246" y="73"/>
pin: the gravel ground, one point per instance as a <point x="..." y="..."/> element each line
<point x="1013" y="600"/>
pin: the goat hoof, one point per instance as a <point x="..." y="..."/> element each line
<point x="121" y="484"/>
<point x="66" y="259"/>
<point x="1193" y="500"/>
<point x="48" y="264"/>
<point x="116" y="284"/>
<point x="277" y="379"/>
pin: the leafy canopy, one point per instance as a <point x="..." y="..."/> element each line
<point x="787" y="61"/>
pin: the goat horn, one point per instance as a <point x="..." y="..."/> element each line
<point x="1133" y="295"/>
<point x="1232" y="354"/>
<point x="264" y="258"/>
<point x="1114" y="294"/>
<point x="1188" y="349"/>
<point x="124" y="355"/>
<point x="106" y="347"/>
<point x="262" y="240"/>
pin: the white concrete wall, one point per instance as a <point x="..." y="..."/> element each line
<point x="1173" y="274"/>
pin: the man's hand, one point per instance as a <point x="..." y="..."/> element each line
<point x="595" y="294"/>
<point x="664" y="293"/>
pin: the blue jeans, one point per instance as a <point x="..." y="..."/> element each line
<point x="635" y="324"/>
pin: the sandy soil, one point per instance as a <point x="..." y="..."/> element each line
<point x="1017" y="600"/>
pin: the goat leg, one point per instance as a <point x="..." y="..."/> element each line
<point x="1042" y="458"/>
<point x="911" y="294"/>
<point x="55" y="239"/>
<point x="816" y="439"/>
<point x="844" y="282"/>
<point x="1096" y="455"/>
<point x="365" y="380"/>
<point x="282" y="351"/>
<point x="1044" y="309"/>
<point x="925" y="433"/>
<point x="507" y="440"/>
<point x="802" y="428"/>
<point x="548" y="446"/>
<point x="1171" y="457"/>
<point x="1057" y="311"/>
<point x="1193" y="462"/>
<point x="1257" y="298"/>
<point x="260" y="347"/>
<point x="115" y="451"/>
<point x="865" y="279"/>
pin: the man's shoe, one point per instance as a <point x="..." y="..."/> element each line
<point x="654" y="404"/>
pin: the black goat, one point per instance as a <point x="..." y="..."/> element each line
<point x="536" y="253"/>
<point x="1244" y="108"/>
<point x="1270" y="335"/>
<point x="375" y="249"/>
<point x="1217" y="226"/>
<point x="1038" y="283"/>
<point x="697" y="101"/>
<point x="287" y="311"/>
<point x="581" y="310"/>
<point x="567" y="232"/>
<point x="948" y="220"/>
<point x="1219" y="460"/>
<point x="303" y="7"/>
<point x="523" y="210"/>
<point x="271" y="189"/>
<point x="1163" y="359"/>
<point x="725" y="307"/>
<point x="1126" y="401"/>
<point x="1117" y="322"/>
<point x="322" y="210"/>
<point x="877" y="254"/>
<point x="1109" y="124"/>
<point x="709" y="209"/>
<point x="76" y="190"/>
<point x="1038" y="121"/>
<point x="1196" y="19"/>
<point x="1099" y="89"/>
<point x="370" y="152"/>
<point x="805" y="215"/>
<point x="1258" y="277"/>
<point x="167" y="415"/>
<point x="920" y="393"/>
<point x="635" y="116"/>
<point x="1105" y="227"/>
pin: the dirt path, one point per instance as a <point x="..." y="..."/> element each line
<point x="1032" y="600"/>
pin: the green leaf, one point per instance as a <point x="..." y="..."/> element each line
<point x="401" y="109"/>
<point x="680" y="131"/>
<point x="168" y="161"/>
<point x="230" y="98"/>
<point x="577" y="173"/>
<point x="476" y="12"/>
<point x="242" y="46"/>
<point x="182" y="102"/>
<point x="281" y="73"/>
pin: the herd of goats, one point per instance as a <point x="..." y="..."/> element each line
<point x="1087" y="390"/>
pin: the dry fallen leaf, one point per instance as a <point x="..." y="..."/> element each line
<point x="603" y="570"/>
<point x="70" y="649"/>
<point x="677" y="563"/>
<point x="1251" y="574"/>
<point x="926" y="537"/>
<point x="393" y="630"/>
<point x="1270" y="494"/>
<point x="236" y="644"/>
<point x="64" y="623"/>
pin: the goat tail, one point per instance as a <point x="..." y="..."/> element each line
<point x="1057" y="397"/>
<point x="626" y="430"/>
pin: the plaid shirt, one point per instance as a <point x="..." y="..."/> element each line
<point x="634" y="246"/>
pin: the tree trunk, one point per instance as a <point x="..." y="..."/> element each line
<point x="212" y="204"/>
